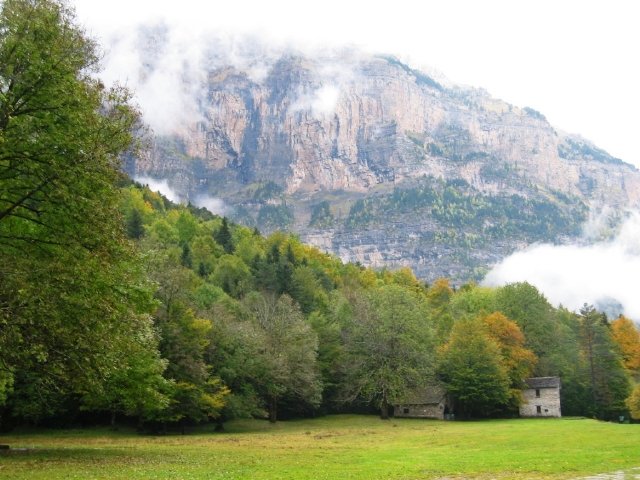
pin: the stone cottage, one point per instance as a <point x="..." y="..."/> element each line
<point x="430" y="402"/>
<point x="541" y="397"/>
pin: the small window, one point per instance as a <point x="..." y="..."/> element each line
<point x="406" y="411"/>
<point x="537" y="393"/>
<point x="538" y="409"/>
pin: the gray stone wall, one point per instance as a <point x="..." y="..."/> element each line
<point x="419" y="411"/>
<point x="546" y="405"/>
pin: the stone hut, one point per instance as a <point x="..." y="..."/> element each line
<point x="429" y="402"/>
<point x="541" y="397"/>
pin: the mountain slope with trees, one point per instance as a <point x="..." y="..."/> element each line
<point x="116" y="303"/>
<point x="337" y="148"/>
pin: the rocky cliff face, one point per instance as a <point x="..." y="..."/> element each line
<point x="383" y="165"/>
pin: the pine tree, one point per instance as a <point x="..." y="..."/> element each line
<point x="135" y="226"/>
<point x="223" y="236"/>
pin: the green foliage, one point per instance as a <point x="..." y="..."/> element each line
<point x="288" y="353"/>
<point x="232" y="275"/>
<point x="633" y="403"/>
<point x="223" y="236"/>
<point x="604" y="375"/>
<point x="135" y="227"/>
<point x="524" y="304"/>
<point x="472" y="370"/>
<point x="455" y="206"/>
<point x="574" y="149"/>
<point x="275" y="217"/>
<point x="471" y="300"/>
<point x="137" y="388"/>
<point x="321" y="215"/>
<point x="307" y="290"/>
<point x="352" y="311"/>
<point x="186" y="226"/>
<point x="74" y="300"/>
<point x="389" y="346"/>
<point x="267" y="191"/>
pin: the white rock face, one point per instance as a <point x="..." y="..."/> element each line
<point x="368" y="125"/>
<point x="386" y="124"/>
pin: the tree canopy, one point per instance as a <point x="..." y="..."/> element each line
<point x="73" y="298"/>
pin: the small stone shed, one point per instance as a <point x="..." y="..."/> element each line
<point x="541" y="397"/>
<point x="429" y="402"/>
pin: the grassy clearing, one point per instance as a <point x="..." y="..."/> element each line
<point x="335" y="447"/>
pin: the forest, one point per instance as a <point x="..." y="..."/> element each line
<point x="118" y="305"/>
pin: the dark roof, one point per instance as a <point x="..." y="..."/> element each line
<point x="431" y="395"/>
<point x="543" y="382"/>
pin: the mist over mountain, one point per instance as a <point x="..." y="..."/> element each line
<point x="366" y="157"/>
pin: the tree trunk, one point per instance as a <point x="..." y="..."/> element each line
<point x="219" y="425"/>
<point x="273" y="409"/>
<point x="113" y="420"/>
<point x="384" y="410"/>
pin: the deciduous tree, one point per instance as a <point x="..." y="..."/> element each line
<point x="472" y="370"/>
<point x="517" y="360"/>
<point x="633" y="403"/>
<point x="288" y="351"/>
<point x="626" y="335"/>
<point x="72" y="298"/>
<point x="389" y="346"/>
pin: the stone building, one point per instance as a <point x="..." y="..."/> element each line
<point x="541" y="397"/>
<point x="430" y="402"/>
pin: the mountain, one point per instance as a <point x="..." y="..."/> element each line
<point x="382" y="164"/>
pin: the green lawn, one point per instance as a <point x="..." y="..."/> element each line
<point x="335" y="447"/>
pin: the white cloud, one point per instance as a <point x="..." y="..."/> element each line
<point x="581" y="64"/>
<point x="322" y="101"/>
<point x="165" y="67"/>
<point x="571" y="275"/>
<point x="217" y="206"/>
<point x="570" y="60"/>
<point x="160" y="186"/>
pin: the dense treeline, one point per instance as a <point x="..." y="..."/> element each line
<point x="246" y="325"/>
<point x="116" y="303"/>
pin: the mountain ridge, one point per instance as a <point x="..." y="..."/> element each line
<point x="337" y="143"/>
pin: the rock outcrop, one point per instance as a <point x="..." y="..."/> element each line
<point x="331" y="136"/>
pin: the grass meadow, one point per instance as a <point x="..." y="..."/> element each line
<point x="333" y="447"/>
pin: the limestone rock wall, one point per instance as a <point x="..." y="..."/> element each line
<point x="385" y="124"/>
<point x="360" y="126"/>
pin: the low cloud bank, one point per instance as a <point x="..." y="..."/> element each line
<point x="167" y="65"/>
<point x="215" y="205"/>
<point x="603" y="273"/>
<point x="160" y="186"/>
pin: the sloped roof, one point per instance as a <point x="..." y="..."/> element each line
<point x="430" y="395"/>
<point x="543" y="382"/>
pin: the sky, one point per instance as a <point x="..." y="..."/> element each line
<point x="574" y="61"/>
